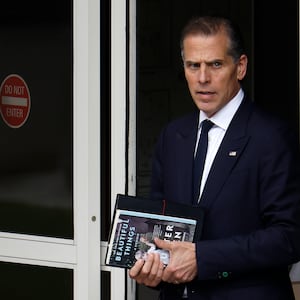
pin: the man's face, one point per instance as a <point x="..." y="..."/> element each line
<point x="212" y="75"/>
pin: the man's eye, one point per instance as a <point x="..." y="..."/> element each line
<point x="216" y="64"/>
<point x="192" y="66"/>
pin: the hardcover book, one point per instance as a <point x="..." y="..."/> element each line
<point x="138" y="221"/>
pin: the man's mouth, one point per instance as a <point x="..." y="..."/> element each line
<point x="204" y="92"/>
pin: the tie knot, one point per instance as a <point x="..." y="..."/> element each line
<point x="206" y="125"/>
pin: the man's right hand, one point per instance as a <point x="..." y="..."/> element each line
<point x="148" y="272"/>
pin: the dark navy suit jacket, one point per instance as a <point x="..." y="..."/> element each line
<point x="251" y="231"/>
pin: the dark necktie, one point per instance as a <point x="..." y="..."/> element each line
<point x="200" y="158"/>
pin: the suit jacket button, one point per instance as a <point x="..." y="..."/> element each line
<point x="225" y="274"/>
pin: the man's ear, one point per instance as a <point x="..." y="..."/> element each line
<point x="242" y="67"/>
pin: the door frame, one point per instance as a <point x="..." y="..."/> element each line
<point x="122" y="127"/>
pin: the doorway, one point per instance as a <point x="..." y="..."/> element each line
<point x="162" y="94"/>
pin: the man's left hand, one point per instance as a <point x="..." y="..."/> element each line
<point x="183" y="264"/>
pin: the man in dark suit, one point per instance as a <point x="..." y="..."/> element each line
<point x="249" y="188"/>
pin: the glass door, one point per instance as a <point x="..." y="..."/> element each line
<point x="49" y="125"/>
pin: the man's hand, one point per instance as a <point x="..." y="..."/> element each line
<point x="181" y="268"/>
<point x="148" y="272"/>
<point x="183" y="264"/>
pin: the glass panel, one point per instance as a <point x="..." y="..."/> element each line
<point x="36" y="154"/>
<point x="35" y="282"/>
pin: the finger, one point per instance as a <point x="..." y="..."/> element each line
<point x="159" y="274"/>
<point x="136" y="269"/>
<point x="163" y="244"/>
<point x="156" y="271"/>
<point x="148" y="264"/>
<point x="151" y="266"/>
<point x="168" y="276"/>
<point x="157" y="266"/>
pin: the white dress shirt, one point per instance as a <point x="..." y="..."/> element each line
<point x="216" y="134"/>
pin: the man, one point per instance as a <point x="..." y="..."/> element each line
<point x="249" y="188"/>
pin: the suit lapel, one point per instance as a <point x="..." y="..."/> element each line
<point x="231" y="148"/>
<point x="185" y="146"/>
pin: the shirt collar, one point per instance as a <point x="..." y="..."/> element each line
<point x="224" y="116"/>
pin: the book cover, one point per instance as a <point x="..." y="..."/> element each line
<point x="132" y="235"/>
<point x="162" y="207"/>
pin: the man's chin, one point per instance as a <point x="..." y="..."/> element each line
<point x="206" y="108"/>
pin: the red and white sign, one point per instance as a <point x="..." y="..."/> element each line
<point x="14" y="101"/>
